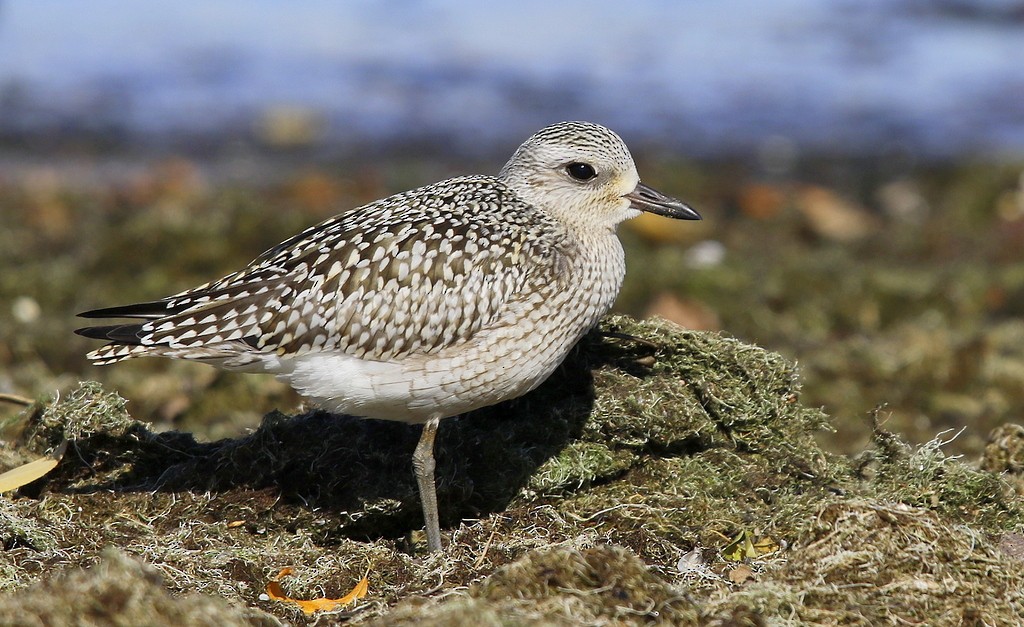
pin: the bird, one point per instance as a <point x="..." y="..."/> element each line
<point x="424" y="305"/>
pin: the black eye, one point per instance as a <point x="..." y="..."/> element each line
<point x="581" y="171"/>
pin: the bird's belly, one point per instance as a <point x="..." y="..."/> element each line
<point x="413" y="390"/>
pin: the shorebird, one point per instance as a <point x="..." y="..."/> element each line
<point x="426" y="304"/>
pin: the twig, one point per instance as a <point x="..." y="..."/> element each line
<point x="480" y="560"/>
<point x="24" y="401"/>
<point x="626" y="336"/>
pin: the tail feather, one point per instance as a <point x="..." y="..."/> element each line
<point x="125" y="333"/>
<point x="172" y="328"/>
<point x="114" y="352"/>
<point x="125" y="339"/>
<point x="220" y="355"/>
<point x="151" y="310"/>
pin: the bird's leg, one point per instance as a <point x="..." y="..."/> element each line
<point x="423" y="466"/>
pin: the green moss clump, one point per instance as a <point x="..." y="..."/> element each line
<point x="925" y="477"/>
<point x="88" y="410"/>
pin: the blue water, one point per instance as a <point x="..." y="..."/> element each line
<point x="723" y="77"/>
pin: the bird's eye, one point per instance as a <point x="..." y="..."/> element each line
<point x="580" y="171"/>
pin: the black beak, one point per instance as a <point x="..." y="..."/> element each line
<point x="649" y="199"/>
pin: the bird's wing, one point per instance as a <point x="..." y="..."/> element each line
<point x="409" y="274"/>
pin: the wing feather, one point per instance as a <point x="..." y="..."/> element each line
<point x="409" y="274"/>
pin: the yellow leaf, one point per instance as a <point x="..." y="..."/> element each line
<point x="27" y="473"/>
<point x="275" y="592"/>
<point x="765" y="545"/>
<point x="744" y="546"/>
<point x="741" y="547"/>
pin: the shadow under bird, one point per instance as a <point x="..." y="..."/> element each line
<point x="426" y="304"/>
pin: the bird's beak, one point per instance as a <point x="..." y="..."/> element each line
<point x="649" y="199"/>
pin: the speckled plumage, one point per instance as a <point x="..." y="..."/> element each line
<point x="425" y="304"/>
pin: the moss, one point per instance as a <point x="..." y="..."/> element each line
<point x="87" y="411"/>
<point x="118" y="590"/>
<point x="580" y="463"/>
<point x="1004" y="452"/>
<point x="20" y="528"/>
<point x="870" y="563"/>
<point x="564" y="585"/>
<point x="926" y="477"/>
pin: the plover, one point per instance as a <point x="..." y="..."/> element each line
<point x="426" y="304"/>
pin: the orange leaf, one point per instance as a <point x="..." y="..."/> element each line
<point x="275" y="592"/>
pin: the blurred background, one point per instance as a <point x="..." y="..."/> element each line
<point x="858" y="163"/>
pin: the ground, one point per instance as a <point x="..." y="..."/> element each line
<point x="668" y="477"/>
